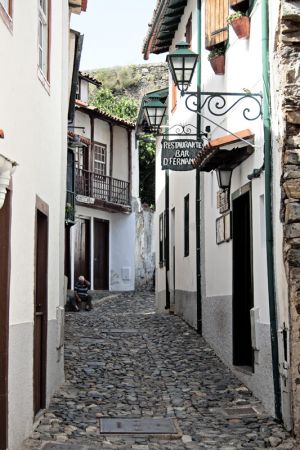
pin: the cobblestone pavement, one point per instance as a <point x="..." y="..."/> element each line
<point x="124" y="361"/>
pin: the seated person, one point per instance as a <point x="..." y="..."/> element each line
<point x="81" y="289"/>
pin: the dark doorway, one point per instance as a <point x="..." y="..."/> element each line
<point x="82" y="249"/>
<point x="5" y="214"/>
<point x="242" y="279"/>
<point x="41" y="311"/>
<point x="101" y="252"/>
<point x="68" y="255"/>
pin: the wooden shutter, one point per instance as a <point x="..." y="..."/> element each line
<point x="216" y="30"/>
<point x="188" y="31"/>
<point x="174" y="96"/>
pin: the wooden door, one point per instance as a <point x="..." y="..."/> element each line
<point x="82" y="249"/>
<point x="41" y="311"/>
<point x="101" y="254"/>
<point x="242" y="281"/>
<point x="5" y="213"/>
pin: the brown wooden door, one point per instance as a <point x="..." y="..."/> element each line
<point x="4" y="315"/>
<point x="41" y="309"/>
<point x="82" y="249"/>
<point x="101" y="254"/>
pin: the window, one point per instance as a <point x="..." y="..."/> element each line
<point x="44" y="37"/>
<point x="242" y="5"/>
<point x="7" y="5"/>
<point x="100" y="159"/>
<point x="186" y="225"/>
<point x="188" y="31"/>
<point x="216" y="28"/>
<point x="161" y="240"/>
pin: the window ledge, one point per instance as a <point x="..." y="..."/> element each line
<point x="6" y="19"/>
<point x="45" y="83"/>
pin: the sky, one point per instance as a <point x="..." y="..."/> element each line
<point x="114" y="31"/>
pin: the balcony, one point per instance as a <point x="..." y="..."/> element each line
<point x="102" y="191"/>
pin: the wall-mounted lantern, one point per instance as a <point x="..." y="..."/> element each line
<point x="7" y="168"/>
<point x="155" y="111"/>
<point x="224" y="178"/>
<point x="182" y="63"/>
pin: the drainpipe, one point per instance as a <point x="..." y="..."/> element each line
<point x="198" y="194"/>
<point x="268" y="204"/>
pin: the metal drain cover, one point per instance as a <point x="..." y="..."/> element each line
<point x="137" y="426"/>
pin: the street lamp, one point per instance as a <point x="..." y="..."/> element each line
<point x="155" y="112"/>
<point x="182" y="63"/>
<point x="224" y="178"/>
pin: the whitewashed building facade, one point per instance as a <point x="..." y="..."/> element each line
<point x="34" y="38"/>
<point x="101" y="244"/>
<point x="215" y="259"/>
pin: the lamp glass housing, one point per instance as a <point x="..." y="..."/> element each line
<point x="155" y="112"/>
<point x="224" y="178"/>
<point x="182" y="63"/>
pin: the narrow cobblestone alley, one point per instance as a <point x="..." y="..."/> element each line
<point x="124" y="361"/>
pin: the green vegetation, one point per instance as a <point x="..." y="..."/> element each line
<point x="122" y="107"/>
<point x="147" y="169"/>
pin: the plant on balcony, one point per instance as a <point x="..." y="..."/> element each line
<point x="240" y="22"/>
<point x="216" y="58"/>
<point x="69" y="214"/>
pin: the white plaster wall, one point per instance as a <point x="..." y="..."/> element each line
<point x="160" y="274"/>
<point x="121" y="245"/>
<point x="84" y="91"/>
<point x="135" y="188"/>
<point x="33" y="118"/>
<point x="120" y="162"/>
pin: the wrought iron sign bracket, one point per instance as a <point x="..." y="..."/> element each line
<point x="218" y="104"/>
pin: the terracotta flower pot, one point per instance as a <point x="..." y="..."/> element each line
<point x="218" y="64"/>
<point x="241" y="27"/>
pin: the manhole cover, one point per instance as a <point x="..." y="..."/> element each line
<point x="137" y="426"/>
<point x="233" y="412"/>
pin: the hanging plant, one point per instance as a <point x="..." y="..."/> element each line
<point x="216" y="58"/>
<point x="240" y="24"/>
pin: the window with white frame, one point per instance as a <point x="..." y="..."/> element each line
<point x="44" y="23"/>
<point x="100" y="159"/>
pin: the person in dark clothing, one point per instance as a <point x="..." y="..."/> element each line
<point x="81" y="294"/>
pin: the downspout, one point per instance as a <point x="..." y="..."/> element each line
<point x="268" y="204"/>
<point x="198" y="194"/>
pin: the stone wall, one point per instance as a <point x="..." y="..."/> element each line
<point x="289" y="50"/>
<point x="144" y="249"/>
<point x="143" y="78"/>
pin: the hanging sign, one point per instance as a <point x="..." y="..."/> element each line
<point x="85" y="199"/>
<point x="179" y="154"/>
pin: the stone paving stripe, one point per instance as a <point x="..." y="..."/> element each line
<point x="137" y="426"/>
<point x="249" y="411"/>
<point x="53" y="446"/>
<point x="121" y="330"/>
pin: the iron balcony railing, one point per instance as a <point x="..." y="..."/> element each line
<point x="101" y="187"/>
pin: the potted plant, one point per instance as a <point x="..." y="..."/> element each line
<point x="216" y="58"/>
<point x="240" y="23"/>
